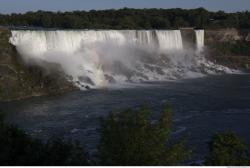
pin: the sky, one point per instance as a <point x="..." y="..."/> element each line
<point x="21" y="6"/>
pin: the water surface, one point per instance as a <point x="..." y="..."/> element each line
<point x="202" y="106"/>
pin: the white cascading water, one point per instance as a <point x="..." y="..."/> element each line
<point x="169" y="40"/>
<point x="199" y="34"/>
<point x="95" y="59"/>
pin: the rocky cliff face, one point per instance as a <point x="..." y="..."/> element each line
<point x="229" y="47"/>
<point x="188" y="38"/>
<point x="18" y="81"/>
<point x="226" y="35"/>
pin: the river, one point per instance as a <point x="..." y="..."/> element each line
<point x="201" y="107"/>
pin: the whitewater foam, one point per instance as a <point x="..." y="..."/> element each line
<point x="95" y="59"/>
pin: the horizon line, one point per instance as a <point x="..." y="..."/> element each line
<point x="107" y="9"/>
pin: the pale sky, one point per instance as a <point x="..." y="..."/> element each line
<point x="17" y="6"/>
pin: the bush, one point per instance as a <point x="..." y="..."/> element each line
<point x="18" y="148"/>
<point x="227" y="149"/>
<point x="131" y="138"/>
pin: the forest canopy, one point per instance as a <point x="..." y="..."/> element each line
<point x="127" y="18"/>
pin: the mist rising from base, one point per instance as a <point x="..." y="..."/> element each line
<point x="97" y="59"/>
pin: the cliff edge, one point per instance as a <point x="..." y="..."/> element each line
<point x="19" y="81"/>
<point x="229" y="47"/>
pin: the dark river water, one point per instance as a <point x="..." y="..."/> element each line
<point x="202" y="107"/>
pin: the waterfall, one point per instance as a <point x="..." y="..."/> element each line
<point x="169" y="39"/>
<point x="100" y="58"/>
<point x="70" y="41"/>
<point x="199" y="34"/>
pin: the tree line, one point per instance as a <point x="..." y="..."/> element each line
<point x="127" y="18"/>
<point x="126" y="138"/>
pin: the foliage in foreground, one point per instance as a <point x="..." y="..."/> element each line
<point x="227" y="149"/>
<point x="127" y="138"/>
<point x="130" y="138"/>
<point x="18" y="148"/>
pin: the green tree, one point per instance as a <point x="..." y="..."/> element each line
<point x="227" y="149"/>
<point x="159" y="23"/>
<point x="180" y="22"/>
<point x="130" y="19"/>
<point x="131" y="138"/>
<point x="57" y="153"/>
<point x="46" y="20"/>
<point x="18" y="148"/>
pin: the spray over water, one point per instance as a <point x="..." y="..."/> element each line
<point x="96" y="59"/>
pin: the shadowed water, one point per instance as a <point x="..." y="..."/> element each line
<point x="201" y="106"/>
